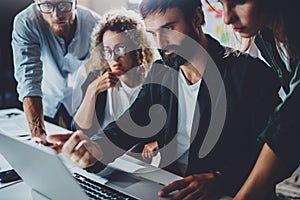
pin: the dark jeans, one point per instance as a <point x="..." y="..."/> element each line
<point x="62" y="118"/>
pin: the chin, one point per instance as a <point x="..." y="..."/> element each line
<point x="58" y="32"/>
<point x="246" y="35"/>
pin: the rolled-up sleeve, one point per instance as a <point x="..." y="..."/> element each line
<point x="26" y="55"/>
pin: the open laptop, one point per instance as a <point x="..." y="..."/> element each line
<point x="45" y="172"/>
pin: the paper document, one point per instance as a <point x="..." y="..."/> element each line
<point x="126" y="166"/>
<point x="13" y="122"/>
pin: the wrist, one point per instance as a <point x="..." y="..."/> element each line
<point x="216" y="173"/>
<point x="217" y="176"/>
<point x="92" y="92"/>
<point x="37" y="129"/>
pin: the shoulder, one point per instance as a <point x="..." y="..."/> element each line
<point x="90" y="77"/>
<point x="87" y="15"/>
<point x="247" y="65"/>
<point x="28" y="15"/>
<point x="93" y="75"/>
<point x="252" y="75"/>
<point x="231" y="60"/>
<point x="160" y="80"/>
<point x="161" y="73"/>
<point x="251" y="79"/>
<point x="87" y="20"/>
<point x="160" y="68"/>
<point x="28" y="22"/>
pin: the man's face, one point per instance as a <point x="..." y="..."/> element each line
<point x="170" y="31"/>
<point x="58" y="20"/>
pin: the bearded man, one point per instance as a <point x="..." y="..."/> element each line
<point x="50" y="40"/>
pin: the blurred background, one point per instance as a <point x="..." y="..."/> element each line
<point x="8" y="9"/>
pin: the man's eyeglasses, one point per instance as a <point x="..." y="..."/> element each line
<point x="48" y="8"/>
<point x="118" y="51"/>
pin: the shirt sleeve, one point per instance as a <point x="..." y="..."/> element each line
<point x="26" y="57"/>
<point x="282" y="133"/>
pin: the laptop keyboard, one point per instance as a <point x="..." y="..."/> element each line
<point x="99" y="191"/>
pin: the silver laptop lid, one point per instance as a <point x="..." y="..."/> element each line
<point x="41" y="168"/>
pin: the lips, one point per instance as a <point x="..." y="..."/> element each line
<point x="168" y="52"/>
<point x="170" y="49"/>
<point x="59" y="22"/>
<point x="238" y="29"/>
<point x="116" y="66"/>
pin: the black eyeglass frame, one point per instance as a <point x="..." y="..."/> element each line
<point x="115" y="52"/>
<point x="55" y="5"/>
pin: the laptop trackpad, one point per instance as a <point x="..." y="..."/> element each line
<point x="121" y="179"/>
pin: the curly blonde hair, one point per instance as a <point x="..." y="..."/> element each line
<point x="129" y="24"/>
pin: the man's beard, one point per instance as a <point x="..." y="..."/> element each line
<point x="183" y="52"/>
<point x="58" y="30"/>
<point x="172" y="60"/>
<point x="62" y="29"/>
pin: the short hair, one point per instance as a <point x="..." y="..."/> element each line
<point x="129" y="24"/>
<point x="187" y="7"/>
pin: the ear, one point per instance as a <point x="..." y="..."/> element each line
<point x="198" y="17"/>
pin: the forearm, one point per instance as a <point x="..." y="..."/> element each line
<point x="85" y="114"/>
<point x="33" y="108"/>
<point x="267" y="171"/>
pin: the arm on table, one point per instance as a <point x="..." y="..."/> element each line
<point x="197" y="186"/>
<point x="267" y="172"/>
<point x="77" y="147"/>
<point x="33" y="108"/>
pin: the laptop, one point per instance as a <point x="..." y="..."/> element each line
<point x="45" y="172"/>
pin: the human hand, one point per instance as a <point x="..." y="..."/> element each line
<point x="41" y="140"/>
<point x="107" y="80"/>
<point x="196" y="186"/>
<point x="38" y="131"/>
<point x="39" y="136"/>
<point x="149" y="149"/>
<point x="77" y="147"/>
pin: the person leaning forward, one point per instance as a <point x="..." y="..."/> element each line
<point x="50" y="40"/>
<point x="180" y="85"/>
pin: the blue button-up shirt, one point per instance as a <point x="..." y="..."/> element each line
<point x="41" y="61"/>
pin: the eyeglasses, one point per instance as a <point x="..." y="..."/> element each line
<point x="118" y="51"/>
<point x="48" y="8"/>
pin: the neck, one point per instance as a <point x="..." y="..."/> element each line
<point x="191" y="74"/>
<point x="130" y="78"/>
<point x="194" y="69"/>
<point x="69" y="33"/>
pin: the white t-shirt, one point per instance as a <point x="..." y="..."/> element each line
<point x="187" y="97"/>
<point x="118" y="101"/>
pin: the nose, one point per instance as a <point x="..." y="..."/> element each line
<point x="229" y="15"/>
<point x="114" y="56"/>
<point x="56" y="12"/>
<point x="161" y="39"/>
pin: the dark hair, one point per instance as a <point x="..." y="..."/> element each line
<point x="288" y="13"/>
<point x="187" y="7"/>
<point x="284" y="27"/>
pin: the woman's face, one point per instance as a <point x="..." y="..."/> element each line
<point x="116" y="51"/>
<point x="245" y="16"/>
